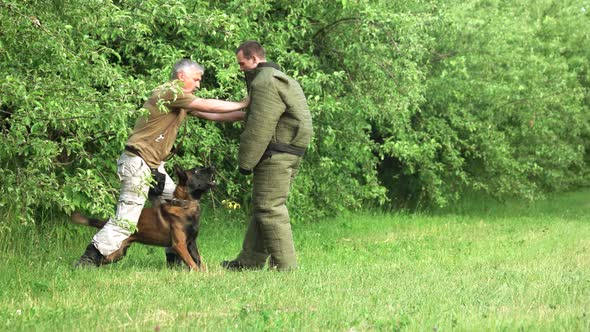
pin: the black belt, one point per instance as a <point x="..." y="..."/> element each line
<point x="274" y="148"/>
<point x="133" y="150"/>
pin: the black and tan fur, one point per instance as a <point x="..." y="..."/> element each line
<point x="174" y="223"/>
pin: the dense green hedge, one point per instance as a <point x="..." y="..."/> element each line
<point x="413" y="102"/>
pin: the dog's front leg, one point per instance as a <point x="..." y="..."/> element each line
<point x="180" y="249"/>
<point x="180" y="246"/>
<point x="194" y="252"/>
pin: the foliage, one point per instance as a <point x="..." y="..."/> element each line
<point x="506" y="98"/>
<point x="413" y="101"/>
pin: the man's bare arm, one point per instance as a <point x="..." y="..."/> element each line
<point x="217" y="106"/>
<point x="221" y="117"/>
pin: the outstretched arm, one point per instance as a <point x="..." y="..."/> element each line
<point x="217" y="106"/>
<point x="221" y="117"/>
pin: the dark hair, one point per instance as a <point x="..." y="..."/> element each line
<point x="250" y="48"/>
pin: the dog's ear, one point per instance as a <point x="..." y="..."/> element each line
<point x="180" y="174"/>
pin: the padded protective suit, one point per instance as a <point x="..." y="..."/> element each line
<point x="278" y="115"/>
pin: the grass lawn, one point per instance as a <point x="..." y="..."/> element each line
<point x="478" y="266"/>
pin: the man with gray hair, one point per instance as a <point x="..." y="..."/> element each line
<point x="147" y="149"/>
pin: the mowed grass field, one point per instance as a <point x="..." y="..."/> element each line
<point x="476" y="266"/>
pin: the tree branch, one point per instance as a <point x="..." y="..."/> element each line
<point x="332" y="25"/>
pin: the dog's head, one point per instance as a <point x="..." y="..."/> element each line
<point x="197" y="180"/>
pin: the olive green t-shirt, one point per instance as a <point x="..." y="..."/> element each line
<point x="154" y="136"/>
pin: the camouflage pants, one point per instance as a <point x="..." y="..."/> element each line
<point x="269" y="232"/>
<point x="134" y="175"/>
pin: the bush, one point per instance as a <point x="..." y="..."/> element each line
<point x="414" y="103"/>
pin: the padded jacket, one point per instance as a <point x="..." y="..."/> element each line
<point x="278" y="113"/>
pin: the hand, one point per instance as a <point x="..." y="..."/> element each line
<point x="245" y="171"/>
<point x="245" y="102"/>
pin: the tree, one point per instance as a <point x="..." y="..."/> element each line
<point x="414" y="103"/>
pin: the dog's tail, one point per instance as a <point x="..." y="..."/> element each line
<point x="78" y="218"/>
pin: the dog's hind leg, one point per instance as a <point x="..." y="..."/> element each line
<point x="119" y="253"/>
<point x="80" y="219"/>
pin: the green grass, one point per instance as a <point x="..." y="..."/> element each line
<point x="477" y="266"/>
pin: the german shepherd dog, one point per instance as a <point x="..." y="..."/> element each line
<point x="174" y="223"/>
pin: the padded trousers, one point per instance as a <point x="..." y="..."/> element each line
<point x="269" y="231"/>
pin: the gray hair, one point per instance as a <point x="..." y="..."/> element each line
<point x="183" y="65"/>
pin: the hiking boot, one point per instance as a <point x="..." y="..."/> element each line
<point x="274" y="266"/>
<point x="90" y="258"/>
<point x="235" y="265"/>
